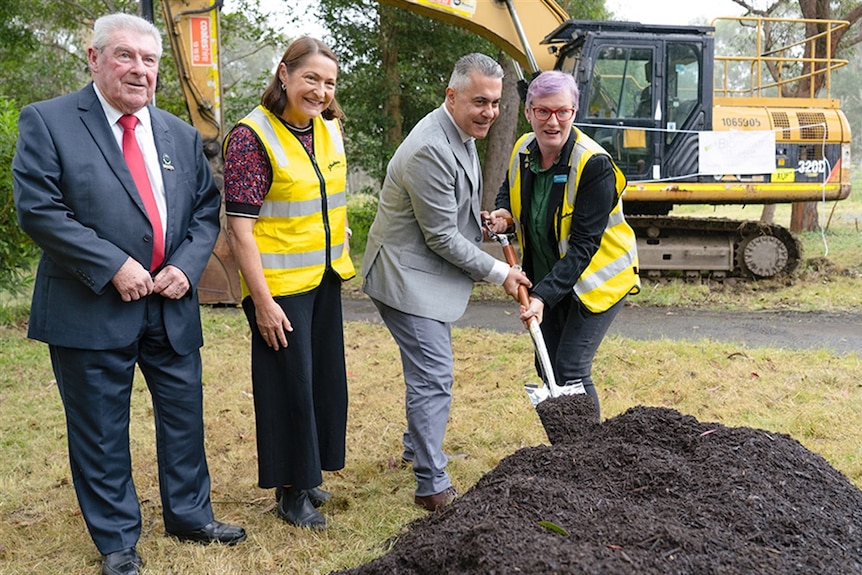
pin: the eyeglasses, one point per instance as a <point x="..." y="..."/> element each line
<point x="544" y="114"/>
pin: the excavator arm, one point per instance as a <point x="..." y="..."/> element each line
<point x="497" y="21"/>
<point x="193" y="31"/>
<point x="192" y="28"/>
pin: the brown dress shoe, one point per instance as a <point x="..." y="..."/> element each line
<point x="437" y="500"/>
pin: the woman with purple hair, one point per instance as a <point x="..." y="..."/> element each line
<point x="563" y="192"/>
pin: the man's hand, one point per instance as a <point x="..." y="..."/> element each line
<point x="171" y="283"/>
<point x="498" y="220"/>
<point x="132" y="280"/>
<point x="514" y="280"/>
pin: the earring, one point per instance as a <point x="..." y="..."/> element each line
<point x="283" y="89"/>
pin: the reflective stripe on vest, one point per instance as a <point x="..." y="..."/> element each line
<point x="612" y="272"/>
<point x="301" y="225"/>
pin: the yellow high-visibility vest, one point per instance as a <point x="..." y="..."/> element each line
<point x="301" y="228"/>
<point x="612" y="272"/>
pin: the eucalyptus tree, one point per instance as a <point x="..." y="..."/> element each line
<point x="841" y="43"/>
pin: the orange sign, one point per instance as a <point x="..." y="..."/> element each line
<point x="202" y="54"/>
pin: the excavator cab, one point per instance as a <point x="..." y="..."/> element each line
<point x="643" y="93"/>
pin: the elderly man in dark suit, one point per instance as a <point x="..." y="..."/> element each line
<point x="424" y="252"/>
<point x="119" y="196"/>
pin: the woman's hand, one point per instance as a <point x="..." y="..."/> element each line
<point x="536" y="309"/>
<point x="273" y="324"/>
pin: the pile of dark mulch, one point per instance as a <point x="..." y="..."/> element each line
<point x="649" y="491"/>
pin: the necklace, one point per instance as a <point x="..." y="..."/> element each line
<point x="296" y="128"/>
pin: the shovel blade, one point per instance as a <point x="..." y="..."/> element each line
<point x="539" y="393"/>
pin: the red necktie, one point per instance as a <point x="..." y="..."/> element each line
<point x="135" y="161"/>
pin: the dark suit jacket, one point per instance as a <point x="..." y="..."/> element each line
<point x="77" y="200"/>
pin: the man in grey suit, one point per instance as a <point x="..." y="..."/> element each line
<point x="424" y="252"/>
<point x="119" y="196"/>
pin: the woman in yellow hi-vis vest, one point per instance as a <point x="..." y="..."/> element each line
<point x="563" y="192"/>
<point x="285" y="183"/>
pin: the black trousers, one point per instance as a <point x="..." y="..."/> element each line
<point x="573" y="334"/>
<point x="300" y="392"/>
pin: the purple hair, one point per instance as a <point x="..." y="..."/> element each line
<point x="552" y="82"/>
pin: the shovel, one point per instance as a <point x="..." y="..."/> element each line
<point x="536" y="392"/>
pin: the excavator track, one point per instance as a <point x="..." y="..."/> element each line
<point x="712" y="247"/>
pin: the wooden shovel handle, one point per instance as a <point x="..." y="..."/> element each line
<point x="512" y="260"/>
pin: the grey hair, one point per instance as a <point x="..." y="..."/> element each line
<point x="475" y="62"/>
<point x="106" y="26"/>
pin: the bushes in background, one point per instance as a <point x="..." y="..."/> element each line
<point x="17" y="250"/>
<point x="361" y="209"/>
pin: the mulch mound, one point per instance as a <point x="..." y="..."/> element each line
<point x="649" y="491"/>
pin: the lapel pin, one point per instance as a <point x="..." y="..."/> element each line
<point x="166" y="163"/>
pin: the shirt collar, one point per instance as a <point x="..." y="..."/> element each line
<point x="113" y="114"/>
<point x="465" y="137"/>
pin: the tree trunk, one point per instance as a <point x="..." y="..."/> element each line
<point x="389" y="66"/>
<point x="767" y="216"/>
<point x="502" y="135"/>
<point x="803" y="217"/>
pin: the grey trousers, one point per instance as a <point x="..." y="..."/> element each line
<point x="426" y="360"/>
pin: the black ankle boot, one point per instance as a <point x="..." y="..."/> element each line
<point x="295" y="507"/>
<point x="316" y="495"/>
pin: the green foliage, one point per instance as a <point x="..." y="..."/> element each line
<point x="17" y="251"/>
<point x="554" y="527"/>
<point x="43" y="51"/>
<point x="250" y="51"/>
<point x="361" y="33"/>
<point x="361" y="209"/>
<point x="14" y="314"/>
<point x="587" y="10"/>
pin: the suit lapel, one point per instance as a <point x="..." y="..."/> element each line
<point x="463" y="158"/>
<point x="94" y="119"/>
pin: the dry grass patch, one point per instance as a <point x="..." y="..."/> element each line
<point x="812" y="395"/>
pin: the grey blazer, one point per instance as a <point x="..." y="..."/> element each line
<point x="424" y="248"/>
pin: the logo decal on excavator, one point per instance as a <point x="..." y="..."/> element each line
<point x="463" y="8"/>
<point x="812" y="166"/>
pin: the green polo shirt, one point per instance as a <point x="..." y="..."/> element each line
<point x="544" y="256"/>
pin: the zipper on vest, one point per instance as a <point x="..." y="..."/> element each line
<point x="324" y="211"/>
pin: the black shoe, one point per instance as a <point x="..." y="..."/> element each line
<point x="316" y="495"/>
<point x="296" y="508"/>
<point x="215" y="532"/>
<point x="125" y="562"/>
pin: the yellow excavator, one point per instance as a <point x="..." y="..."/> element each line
<point x="686" y="126"/>
<point x="192" y="28"/>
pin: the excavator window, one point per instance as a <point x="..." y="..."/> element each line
<point x="621" y="89"/>
<point x="620" y="81"/>
<point x="683" y="80"/>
